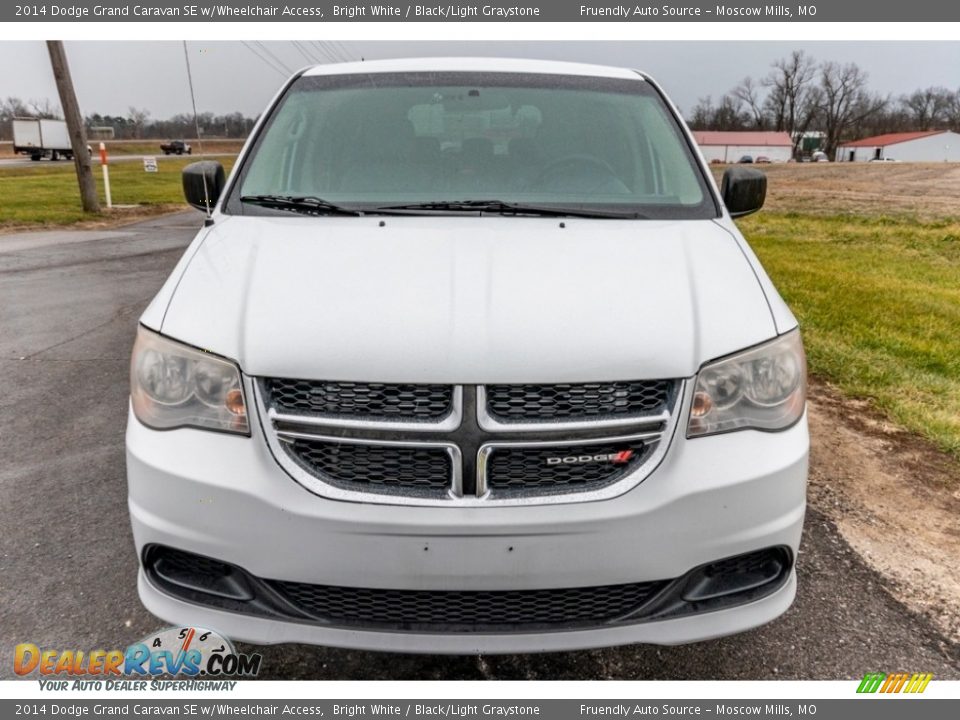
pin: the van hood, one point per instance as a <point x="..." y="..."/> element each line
<point x="468" y="299"/>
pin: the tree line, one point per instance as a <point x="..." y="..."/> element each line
<point x="800" y="95"/>
<point x="135" y="124"/>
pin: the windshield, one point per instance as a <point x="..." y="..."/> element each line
<point x="441" y="142"/>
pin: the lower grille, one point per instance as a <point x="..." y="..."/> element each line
<point x="380" y="466"/>
<point x="479" y="610"/>
<point x="521" y="468"/>
<point x="725" y="583"/>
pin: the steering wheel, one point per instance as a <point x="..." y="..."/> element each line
<point x="563" y="166"/>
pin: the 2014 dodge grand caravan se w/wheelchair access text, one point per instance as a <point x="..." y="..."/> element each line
<point x="469" y="356"/>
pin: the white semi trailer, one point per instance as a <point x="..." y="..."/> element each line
<point x="40" y="138"/>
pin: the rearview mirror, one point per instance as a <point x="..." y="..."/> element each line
<point x="202" y="184"/>
<point x="743" y="190"/>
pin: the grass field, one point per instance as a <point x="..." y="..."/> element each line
<point x="868" y="257"/>
<point x="878" y="299"/>
<point x="47" y="194"/>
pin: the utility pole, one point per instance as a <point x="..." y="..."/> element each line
<point x="193" y="99"/>
<point x="78" y="135"/>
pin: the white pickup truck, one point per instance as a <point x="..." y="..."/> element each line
<point x="469" y="356"/>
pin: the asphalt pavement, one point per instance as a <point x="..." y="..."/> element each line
<point x="69" y="303"/>
<point x="24" y="161"/>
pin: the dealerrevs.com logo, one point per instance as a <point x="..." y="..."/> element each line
<point x="178" y="651"/>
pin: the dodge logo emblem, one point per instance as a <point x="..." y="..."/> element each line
<point x="618" y="458"/>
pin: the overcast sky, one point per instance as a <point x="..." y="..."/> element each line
<point x="228" y="76"/>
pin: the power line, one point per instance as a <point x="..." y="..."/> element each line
<point x="326" y="53"/>
<point x="263" y="59"/>
<point x="270" y="54"/>
<point x="335" y="51"/>
<point x="342" y="50"/>
<point x="347" y="54"/>
<point x="310" y="58"/>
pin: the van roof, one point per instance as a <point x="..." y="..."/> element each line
<point x="469" y="64"/>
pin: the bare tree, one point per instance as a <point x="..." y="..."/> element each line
<point x="730" y="114"/>
<point x="44" y="108"/>
<point x="138" y="118"/>
<point x="748" y="93"/>
<point x="928" y="108"/>
<point x="727" y="115"/>
<point x="790" y="82"/>
<point x="701" y="117"/>
<point x="952" y="111"/>
<point x="10" y="108"/>
<point x="808" y="117"/>
<point x="13" y="107"/>
<point x="844" y="102"/>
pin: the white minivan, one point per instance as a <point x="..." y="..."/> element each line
<point x="469" y="356"/>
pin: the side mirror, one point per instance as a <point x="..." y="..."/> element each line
<point x="202" y="184"/>
<point x="743" y="190"/>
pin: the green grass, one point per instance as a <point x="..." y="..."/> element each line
<point x="878" y="301"/>
<point x="47" y="194"/>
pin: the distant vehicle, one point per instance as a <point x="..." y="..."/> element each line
<point x="763" y="159"/>
<point x="820" y="156"/>
<point x="176" y="147"/>
<point x="40" y="138"/>
<point x="745" y="159"/>
<point x="883" y="159"/>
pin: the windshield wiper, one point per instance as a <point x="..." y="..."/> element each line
<point x="301" y="203"/>
<point x="502" y="207"/>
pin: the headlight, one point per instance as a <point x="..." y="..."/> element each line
<point x="173" y="385"/>
<point x="763" y="388"/>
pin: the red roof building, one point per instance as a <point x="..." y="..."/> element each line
<point x="891" y="138"/>
<point x="744" y="138"/>
<point x="923" y="146"/>
<point x="733" y="146"/>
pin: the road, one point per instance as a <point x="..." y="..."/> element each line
<point x="69" y="302"/>
<point x="23" y="161"/>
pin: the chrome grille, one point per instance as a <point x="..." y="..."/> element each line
<point x="460" y="455"/>
<point x="360" y="400"/>
<point x="582" y="401"/>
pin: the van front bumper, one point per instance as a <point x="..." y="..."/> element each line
<point x="226" y="498"/>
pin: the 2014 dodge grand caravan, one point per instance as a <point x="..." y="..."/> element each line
<point x="469" y="356"/>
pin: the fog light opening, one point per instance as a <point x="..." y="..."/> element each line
<point x="196" y="573"/>
<point x="736" y="575"/>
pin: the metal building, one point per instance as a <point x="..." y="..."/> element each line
<point x="730" y="146"/>
<point x="925" y="146"/>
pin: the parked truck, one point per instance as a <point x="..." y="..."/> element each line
<point x="176" y="147"/>
<point x="40" y="138"/>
